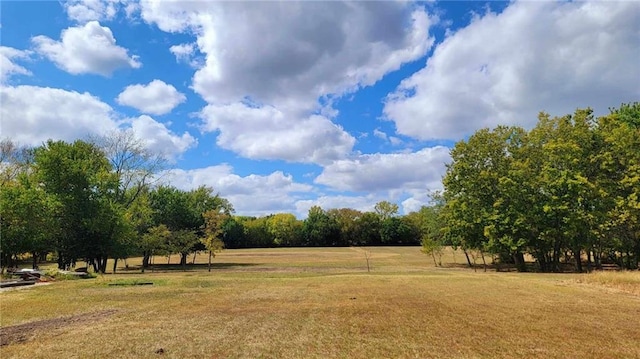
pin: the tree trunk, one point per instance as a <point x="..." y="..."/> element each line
<point x="518" y="258"/>
<point x="183" y="261"/>
<point x="434" y="259"/>
<point x="484" y="262"/>
<point x="115" y="265"/>
<point x="34" y="265"/>
<point x="467" y="255"/>
<point x="103" y="264"/>
<point x="146" y="255"/>
<point x="589" y="266"/>
<point x="93" y="262"/>
<point x="556" y="257"/>
<point x="577" y="255"/>
<point x="209" y="261"/>
<point x="597" y="257"/>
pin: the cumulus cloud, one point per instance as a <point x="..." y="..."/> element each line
<point x="32" y="115"/>
<point x="326" y="202"/>
<point x="88" y="10"/>
<point x="387" y="171"/>
<point x="8" y="67"/>
<point x="267" y="133"/>
<point x="156" y="98"/>
<point x="160" y="139"/>
<point x="271" y="62"/>
<point x="254" y="195"/>
<point x="534" y="56"/>
<point x="89" y="48"/>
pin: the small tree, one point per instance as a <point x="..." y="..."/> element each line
<point x="434" y="248"/>
<point x="213" y="230"/>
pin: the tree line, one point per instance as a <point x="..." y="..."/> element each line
<point x="567" y="190"/>
<point x="324" y="228"/>
<point x="99" y="199"/>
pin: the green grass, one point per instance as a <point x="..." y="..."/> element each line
<point x="322" y="303"/>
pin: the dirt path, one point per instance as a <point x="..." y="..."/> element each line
<point x="28" y="331"/>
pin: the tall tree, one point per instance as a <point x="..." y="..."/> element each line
<point x="80" y="178"/>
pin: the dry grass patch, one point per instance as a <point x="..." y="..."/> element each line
<point x="329" y="308"/>
<point x="623" y="281"/>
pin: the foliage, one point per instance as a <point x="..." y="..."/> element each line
<point x="566" y="188"/>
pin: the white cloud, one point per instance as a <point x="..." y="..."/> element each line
<point x="253" y="195"/>
<point x="534" y="56"/>
<point x="267" y="133"/>
<point x="392" y="171"/>
<point x="89" y="48"/>
<point x="282" y="58"/>
<point x="185" y="53"/>
<point x="360" y="203"/>
<point x="156" y="98"/>
<point x="160" y="139"/>
<point x="88" y="10"/>
<point x="381" y="135"/>
<point x="8" y="67"/>
<point x="31" y="115"/>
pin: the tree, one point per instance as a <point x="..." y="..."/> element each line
<point x="233" y="232"/>
<point x="619" y="163"/>
<point x="430" y="228"/>
<point x="182" y="212"/>
<point x="256" y="232"/>
<point x="28" y="220"/>
<point x="472" y="188"/>
<point x="319" y="229"/>
<point x="213" y="231"/>
<point x="386" y="210"/>
<point x="79" y="177"/>
<point x="132" y="162"/>
<point x="566" y="188"/>
<point x="397" y="231"/>
<point x="285" y="229"/>
<point x="347" y="221"/>
<point x="152" y="242"/>
<point x="367" y="230"/>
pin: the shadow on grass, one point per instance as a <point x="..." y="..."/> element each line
<point x="198" y="267"/>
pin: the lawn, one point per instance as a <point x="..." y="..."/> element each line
<point x="323" y="303"/>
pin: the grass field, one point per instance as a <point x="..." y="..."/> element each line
<point x="322" y="303"/>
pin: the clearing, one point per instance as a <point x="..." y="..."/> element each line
<point x="322" y="303"/>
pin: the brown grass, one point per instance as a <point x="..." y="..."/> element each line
<point x="321" y="303"/>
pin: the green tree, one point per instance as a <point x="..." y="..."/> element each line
<point x="213" y="231"/>
<point x="347" y="221"/>
<point x="79" y="176"/>
<point x="285" y="229"/>
<point x="152" y="242"/>
<point x="256" y="232"/>
<point x="386" y="210"/>
<point x="28" y="220"/>
<point x="319" y="229"/>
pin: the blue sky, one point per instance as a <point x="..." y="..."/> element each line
<point x="281" y="106"/>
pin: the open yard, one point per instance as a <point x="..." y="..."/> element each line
<point x="323" y="303"/>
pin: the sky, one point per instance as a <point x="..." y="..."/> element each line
<point x="280" y="106"/>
